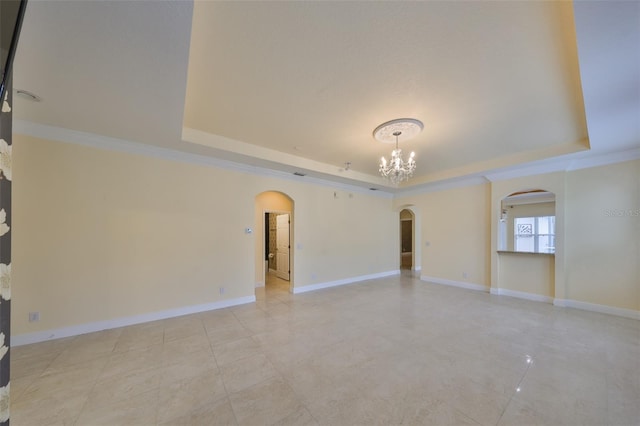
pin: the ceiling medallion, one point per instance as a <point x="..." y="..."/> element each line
<point x="397" y="169"/>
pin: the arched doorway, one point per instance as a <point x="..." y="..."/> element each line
<point x="274" y="238"/>
<point x="407" y="233"/>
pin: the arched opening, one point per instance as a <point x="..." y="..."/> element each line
<point x="406" y="239"/>
<point x="273" y="243"/>
<point x="527" y="222"/>
<point x="410" y="253"/>
<point x="526" y="245"/>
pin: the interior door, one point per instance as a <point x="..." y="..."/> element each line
<point x="282" y="243"/>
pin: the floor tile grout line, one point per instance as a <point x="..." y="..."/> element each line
<point x="224" y="385"/>
<point x="529" y="363"/>
<point x="299" y="397"/>
<point x="95" y="383"/>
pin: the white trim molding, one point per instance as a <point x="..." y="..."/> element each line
<point x="423" y="188"/>
<point x="415" y="271"/>
<point x="319" y="286"/>
<point x="604" y="159"/>
<point x="521" y="295"/>
<point x="602" y="309"/>
<point x="357" y="182"/>
<point x="561" y="303"/>
<point x="569" y="162"/>
<point x="568" y="303"/>
<point x="59" y="134"/>
<point x="75" y="330"/>
<point x="460" y="284"/>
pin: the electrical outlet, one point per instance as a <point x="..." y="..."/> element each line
<point x="221" y="290"/>
<point x="34" y="316"/>
<point x="465" y="275"/>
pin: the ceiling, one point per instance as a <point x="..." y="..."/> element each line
<point x="300" y="86"/>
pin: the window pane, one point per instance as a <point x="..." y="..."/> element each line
<point x="543" y="225"/>
<point x="546" y="225"/>
<point x="545" y="244"/>
<point x="524" y="234"/>
<point x="534" y="234"/>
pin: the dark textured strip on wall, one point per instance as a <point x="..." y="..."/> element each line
<point x="5" y="251"/>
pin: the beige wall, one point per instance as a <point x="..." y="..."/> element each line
<point x="101" y="235"/>
<point x="338" y="236"/>
<point x="454" y="223"/>
<point x="597" y="234"/>
<point x="603" y="234"/>
<point x="528" y="273"/>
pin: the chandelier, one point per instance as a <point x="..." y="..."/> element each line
<point x="397" y="169"/>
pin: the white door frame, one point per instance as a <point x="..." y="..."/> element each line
<point x="283" y="248"/>
<point x="264" y="237"/>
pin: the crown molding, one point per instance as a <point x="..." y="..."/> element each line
<point x="441" y="185"/>
<point x="604" y="159"/>
<point x="564" y="163"/>
<point x="93" y="140"/>
<point x="527" y="170"/>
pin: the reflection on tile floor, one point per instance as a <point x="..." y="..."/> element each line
<point x="388" y="351"/>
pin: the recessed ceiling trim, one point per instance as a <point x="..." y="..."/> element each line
<point x="264" y="155"/>
<point x="107" y="143"/>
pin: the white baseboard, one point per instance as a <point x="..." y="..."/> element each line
<point x="521" y="295"/>
<point x="415" y="271"/>
<point x="460" y="284"/>
<point x="75" y="330"/>
<point x="594" y="307"/>
<point x="313" y="287"/>
<point x="562" y="303"/>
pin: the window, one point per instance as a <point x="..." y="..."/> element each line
<point x="535" y="234"/>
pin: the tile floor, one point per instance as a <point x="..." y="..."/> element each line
<point x="390" y="351"/>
